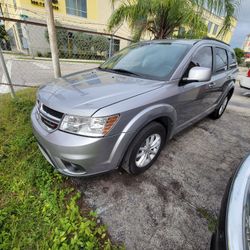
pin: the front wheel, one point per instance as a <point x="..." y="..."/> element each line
<point x="145" y="148"/>
<point x="220" y="110"/>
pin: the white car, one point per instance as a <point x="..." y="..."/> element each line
<point x="244" y="82"/>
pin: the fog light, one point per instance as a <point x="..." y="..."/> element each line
<point x="73" y="168"/>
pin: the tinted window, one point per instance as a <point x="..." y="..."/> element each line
<point x="220" y="60"/>
<point x="203" y="58"/>
<point x="232" y="60"/>
<point x="153" y="60"/>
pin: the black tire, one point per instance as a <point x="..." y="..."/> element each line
<point x="154" y="130"/>
<point x="218" y="112"/>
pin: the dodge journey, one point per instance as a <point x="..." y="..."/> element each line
<point x="123" y="112"/>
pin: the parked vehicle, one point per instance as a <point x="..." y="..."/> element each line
<point x="245" y="81"/>
<point x="234" y="222"/>
<point x="122" y="113"/>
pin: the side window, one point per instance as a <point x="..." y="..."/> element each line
<point x="202" y="58"/>
<point x="221" y="60"/>
<point x="232" y="60"/>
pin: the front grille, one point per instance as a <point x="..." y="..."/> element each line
<point x="52" y="112"/>
<point x="49" y="123"/>
<point x="48" y="118"/>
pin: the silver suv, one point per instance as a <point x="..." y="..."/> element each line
<point x="123" y="112"/>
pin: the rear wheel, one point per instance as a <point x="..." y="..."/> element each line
<point x="220" y="110"/>
<point x="145" y="148"/>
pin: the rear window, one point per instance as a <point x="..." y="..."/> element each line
<point x="232" y="60"/>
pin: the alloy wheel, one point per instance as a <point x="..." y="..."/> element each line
<point x="148" y="150"/>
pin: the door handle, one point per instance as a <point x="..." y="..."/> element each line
<point x="211" y="85"/>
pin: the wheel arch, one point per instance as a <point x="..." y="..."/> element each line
<point x="163" y="114"/>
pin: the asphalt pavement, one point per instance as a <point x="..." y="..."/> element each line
<point x="36" y="72"/>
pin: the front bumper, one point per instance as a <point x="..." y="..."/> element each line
<point x="75" y="155"/>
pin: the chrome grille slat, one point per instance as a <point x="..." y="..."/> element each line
<point x="48" y="121"/>
<point x="48" y="116"/>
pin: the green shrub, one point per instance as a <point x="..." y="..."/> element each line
<point x="239" y="55"/>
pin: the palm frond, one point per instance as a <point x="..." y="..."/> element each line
<point x="160" y="17"/>
<point x="225" y="8"/>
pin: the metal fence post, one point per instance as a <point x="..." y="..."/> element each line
<point x="6" y="74"/>
<point x="52" y="38"/>
<point x="111" y="37"/>
<point x="110" y="46"/>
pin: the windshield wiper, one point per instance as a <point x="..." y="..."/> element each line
<point x="126" y="72"/>
<point x="121" y="71"/>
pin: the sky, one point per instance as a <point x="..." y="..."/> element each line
<point x="243" y="26"/>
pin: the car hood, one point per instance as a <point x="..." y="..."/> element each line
<point x="84" y="93"/>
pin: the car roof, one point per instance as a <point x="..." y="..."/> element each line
<point x="182" y="41"/>
<point x="192" y="41"/>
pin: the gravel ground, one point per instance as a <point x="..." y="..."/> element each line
<point x="160" y="208"/>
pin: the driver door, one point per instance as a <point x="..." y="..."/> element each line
<point x="195" y="98"/>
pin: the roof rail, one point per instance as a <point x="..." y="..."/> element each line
<point x="214" y="39"/>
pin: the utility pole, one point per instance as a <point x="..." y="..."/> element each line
<point x="6" y="74"/>
<point x="52" y="38"/>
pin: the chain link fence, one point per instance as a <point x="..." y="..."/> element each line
<point x="27" y="52"/>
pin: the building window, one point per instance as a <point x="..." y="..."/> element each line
<point x="116" y="45"/>
<point x="76" y="7"/>
<point x="20" y="34"/>
<point x="215" y="29"/>
<point x="12" y="39"/>
<point x="209" y="26"/>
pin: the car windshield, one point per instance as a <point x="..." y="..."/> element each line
<point x="152" y="60"/>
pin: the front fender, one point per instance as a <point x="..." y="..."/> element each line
<point x="151" y="113"/>
<point x="139" y="121"/>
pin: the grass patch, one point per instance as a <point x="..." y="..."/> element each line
<point x="211" y="219"/>
<point x="37" y="209"/>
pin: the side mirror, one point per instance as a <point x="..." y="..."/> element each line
<point x="199" y="74"/>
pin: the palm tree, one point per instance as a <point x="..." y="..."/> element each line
<point x="162" y="17"/>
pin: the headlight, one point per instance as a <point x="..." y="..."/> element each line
<point x="88" y="126"/>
